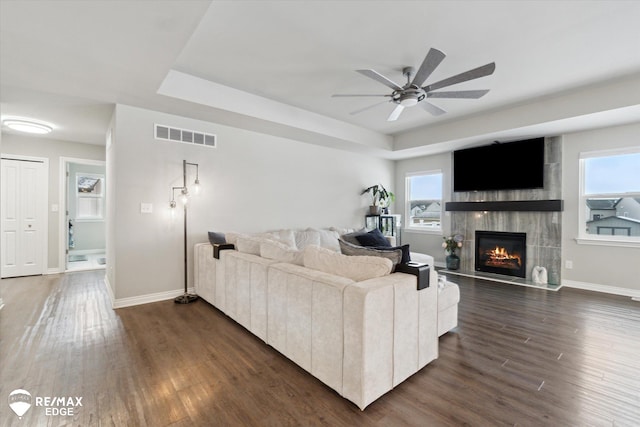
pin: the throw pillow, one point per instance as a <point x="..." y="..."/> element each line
<point x="328" y="238"/>
<point x="352" y="237"/>
<point x="373" y="238"/>
<point x="285" y="236"/>
<point x="357" y="268"/>
<point x="249" y="244"/>
<point x="393" y="255"/>
<point x="280" y="252"/>
<point x="305" y="238"/>
<point x="216" y="238"/>
<point x="406" y="254"/>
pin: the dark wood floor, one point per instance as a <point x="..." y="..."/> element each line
<point x="520" y="356"/>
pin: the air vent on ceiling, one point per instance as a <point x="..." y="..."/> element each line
<point x="168" y="133"/>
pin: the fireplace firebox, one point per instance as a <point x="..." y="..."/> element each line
<point x="502" y="253"/>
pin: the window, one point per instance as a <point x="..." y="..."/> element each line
<point x="89" y="196"/>
<point x="610" y="196"/>
<point x="424" y="200"/>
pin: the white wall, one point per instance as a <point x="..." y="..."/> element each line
<point x="419" y="241"/>
<point x="53" y="150"/>
<point x="250" y="182"/>
<point x="595" y="266"/>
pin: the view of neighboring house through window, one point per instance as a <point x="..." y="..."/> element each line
<point x="611" y="194"/>
<point x="424" y="200"/>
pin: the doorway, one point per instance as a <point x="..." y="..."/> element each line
<point x="83" y="232"/>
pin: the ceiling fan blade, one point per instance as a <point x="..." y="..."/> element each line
<point x="431" y="61"/>
<point x="430" y="108"/>
<point x="372" y="74"/>
<point x="345" y="96"/>
<point x="466" y="94"/>
<point x="368" y="107"/>
<point x="395" y="113"/>
<point x="476" y="73"/>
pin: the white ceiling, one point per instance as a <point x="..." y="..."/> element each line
<point x="68" y="62"/>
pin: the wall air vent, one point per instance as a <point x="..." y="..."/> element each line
<point x="167" y="133"/>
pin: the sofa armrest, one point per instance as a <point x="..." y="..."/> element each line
<point x="390" y="333"/>
<point x="207" y="272"/>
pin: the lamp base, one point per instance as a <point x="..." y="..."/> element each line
<point x="185" y="298"/>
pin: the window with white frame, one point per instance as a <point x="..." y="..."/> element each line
<point x="89" y="197"/>
<point x="424" y="200"/>
<point x="610" y="195"/>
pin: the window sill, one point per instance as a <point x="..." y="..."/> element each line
<point x="435" y="231"/>
<point x="623" y="243"/>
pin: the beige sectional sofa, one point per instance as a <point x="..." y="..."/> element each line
<point x="359" y="337"/>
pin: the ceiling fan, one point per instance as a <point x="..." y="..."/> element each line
<point x="413" y="93"/>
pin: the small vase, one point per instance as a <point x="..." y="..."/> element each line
<point x="453" y="262"/>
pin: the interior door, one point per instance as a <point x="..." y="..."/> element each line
<point x="23" y="212"/>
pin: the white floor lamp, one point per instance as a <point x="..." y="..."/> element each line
<point x="185" y="298"/>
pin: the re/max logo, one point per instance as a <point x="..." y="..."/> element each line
<point x="58" y="401"/>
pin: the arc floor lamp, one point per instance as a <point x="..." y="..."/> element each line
<point x="185" y="298"/>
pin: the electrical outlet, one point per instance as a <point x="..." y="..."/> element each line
<point x="146" y="208"/>
<point x="568" y="265"/>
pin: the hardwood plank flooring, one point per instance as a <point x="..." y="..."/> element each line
<point x="520" y="357"/>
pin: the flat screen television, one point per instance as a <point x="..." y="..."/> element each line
<point x="513" y="165"/>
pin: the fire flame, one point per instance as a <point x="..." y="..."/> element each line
<point x="500" y="255"/>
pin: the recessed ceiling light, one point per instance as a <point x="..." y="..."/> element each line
<point x="28" y="126"/>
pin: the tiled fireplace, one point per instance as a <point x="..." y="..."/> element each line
<point x="542" y="228"/>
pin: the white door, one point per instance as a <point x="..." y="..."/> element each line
<point x="23" y="212"/>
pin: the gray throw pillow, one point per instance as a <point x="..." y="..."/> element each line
<point x="353" y="237"/>
<point x="395" y="255"/>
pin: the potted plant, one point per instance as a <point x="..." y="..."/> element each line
<point x="380" y="198"/>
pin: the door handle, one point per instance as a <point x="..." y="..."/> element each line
<point x="29" y="225"/>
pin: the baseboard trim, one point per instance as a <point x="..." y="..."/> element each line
<point x="148" y="298"/>
<point x="112" y="297"/>
<point x="54" y="270"/>
<point x="616" y="290"/>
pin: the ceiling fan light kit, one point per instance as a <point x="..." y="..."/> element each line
<point x="413" y="93"/>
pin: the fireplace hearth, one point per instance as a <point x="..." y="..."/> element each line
<point x="501" y="253"/>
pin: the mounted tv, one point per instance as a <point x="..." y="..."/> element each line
<point x="513" y="165"/>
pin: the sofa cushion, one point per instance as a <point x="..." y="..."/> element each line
<point x="280" y="252"/>
<point x="328" y="238"/>
<point x="392" y="254"/>
<point x="286" y="236"/>
<point x="357" y="268"/>
<point x="249" y="244"/>
<point x="373" y="238"/>
<point x="307" y="237"/>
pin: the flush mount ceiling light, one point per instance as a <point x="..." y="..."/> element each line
<point x="27" y="125"/>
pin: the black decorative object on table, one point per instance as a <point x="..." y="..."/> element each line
<point x="421" y="271"/>
<point x="221" y="247"/>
